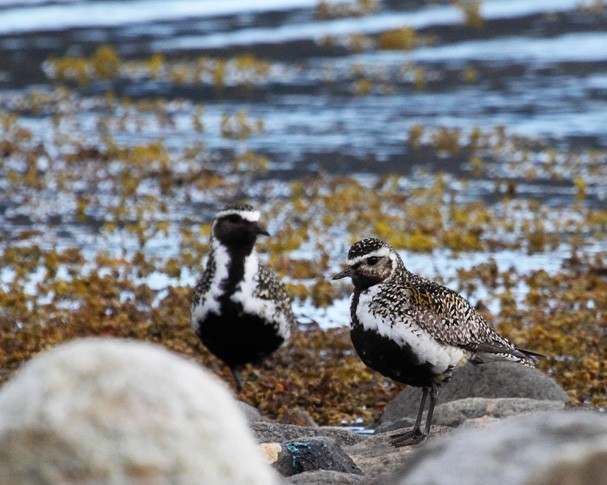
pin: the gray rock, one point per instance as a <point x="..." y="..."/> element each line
<point x="490" y="380"/>
<point x="251" y="413"/>
<point x="278" y="433"/>
<point x="399" y="423"/>
<point x="549" y="448"/>
<point x="117" y="411"/>
<point x="456" y="413"/>
<point x="326" y="477"/>
<point x="377" y="458"/>
<point x="298" y="417"/>
<point x="585" y="466"/>
<point x="310" y="454"/>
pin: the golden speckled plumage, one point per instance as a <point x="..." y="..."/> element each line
<point x="414" y="330"/>
<point x="444" y="314"/>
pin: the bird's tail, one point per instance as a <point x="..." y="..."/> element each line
<point x="491" y="351"/>
<point x="532" y="356"/>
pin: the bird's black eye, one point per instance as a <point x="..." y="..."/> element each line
<point x="372" y="261"/>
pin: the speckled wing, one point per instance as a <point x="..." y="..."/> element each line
<point x="451" y="320"/>
<point x="270" y="288"/>
<point x="204" y="283"/>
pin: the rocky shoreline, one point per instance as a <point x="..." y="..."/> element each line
<point x="327" y="455"/>
<point x="526" y="441"/>
<point x="503" y="396"/>
<point x="116" y="411"/>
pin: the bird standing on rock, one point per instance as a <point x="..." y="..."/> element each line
<point x="413" y="330"/>
<point x="240" y="310"/>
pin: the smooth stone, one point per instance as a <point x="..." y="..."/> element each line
<point x="117" y="411"/>
<point x="456" y="413"/>
<point x="268" y="432"/>
<point x="489" y="380"/>
<point x="544" y="448"/>
<point x="326" y="477"/>
<point x="309" y="454"/>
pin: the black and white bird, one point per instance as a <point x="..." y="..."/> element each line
<point x="413" y="330"/>
<point x="240" y="309"/>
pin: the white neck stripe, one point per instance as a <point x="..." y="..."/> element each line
<point x="251" y="216"/>
<point x="379" y="253"/>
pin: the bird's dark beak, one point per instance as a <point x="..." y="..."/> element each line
<point x="261" y="231"/>
<point x="347" y="273"/>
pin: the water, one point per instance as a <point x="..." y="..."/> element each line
<point x="540" y="70"/>
<point x="558" y="89"/>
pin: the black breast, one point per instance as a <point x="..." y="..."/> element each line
<point x="238" y="338"/>
<point x="385" y="356"/>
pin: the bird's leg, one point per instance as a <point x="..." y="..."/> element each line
<point x="433" y="396"/>
<point x="237" y="379"/>
<point x="414" y="435"/>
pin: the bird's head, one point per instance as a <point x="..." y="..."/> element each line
<point x="370" y="262"/>
<point x="238" y="225"/>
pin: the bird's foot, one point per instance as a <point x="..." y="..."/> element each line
<point x="412" y="437"/>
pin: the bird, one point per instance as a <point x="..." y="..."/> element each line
<point x="415" y="331"/>
<point x="241" y="311"/>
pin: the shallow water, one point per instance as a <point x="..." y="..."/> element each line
<point x="540" y="66"/>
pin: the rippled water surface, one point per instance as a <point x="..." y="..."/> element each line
<point x="540" y="71"/>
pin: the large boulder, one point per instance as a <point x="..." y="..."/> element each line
<point x="547" y="448"/>
<point x="115" y="411"/>
<point x="489" y="380"/>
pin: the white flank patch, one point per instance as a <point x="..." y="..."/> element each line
<point x="251" y="216"/>
<point x="380" y="253"/>
<point x="211" y="299"/>
<point x="245" y="295"/>
<point x="438" y="355"/>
